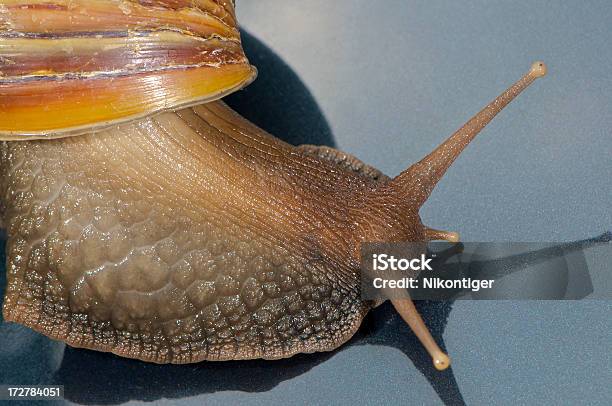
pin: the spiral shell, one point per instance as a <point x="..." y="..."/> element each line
<point x="71" y="66"/>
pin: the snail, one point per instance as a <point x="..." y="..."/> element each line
<point x="146" y="218"/>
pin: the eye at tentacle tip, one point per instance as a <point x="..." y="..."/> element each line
<point x="538" y="69"/>
<point x="441" y="361"/>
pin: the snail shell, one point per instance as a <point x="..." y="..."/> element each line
<point x="176" y="231"/>
<point x="70" y="66"/>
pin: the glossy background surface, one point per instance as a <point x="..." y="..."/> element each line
<point x="392" y="80"/>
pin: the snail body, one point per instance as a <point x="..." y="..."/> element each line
<point x="172" y="230"/>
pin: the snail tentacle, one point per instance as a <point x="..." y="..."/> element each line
<point x="420" y="179"/>
<point x="411" y="316"/>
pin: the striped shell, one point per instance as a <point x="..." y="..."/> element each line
<point x="70" y="66"/>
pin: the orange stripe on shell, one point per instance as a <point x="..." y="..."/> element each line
<point x="51" y="108"/>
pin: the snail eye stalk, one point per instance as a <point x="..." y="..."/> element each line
<point x="417" y="182"/>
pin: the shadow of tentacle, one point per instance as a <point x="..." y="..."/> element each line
<point x="541" y="270"/>
<point x="384" y="326"/>
<point x="515" y="263"/>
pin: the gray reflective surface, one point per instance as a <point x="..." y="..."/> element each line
<point x="393" y="79"/>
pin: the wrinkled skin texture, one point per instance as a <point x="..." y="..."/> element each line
<point x="167" y="240"/>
